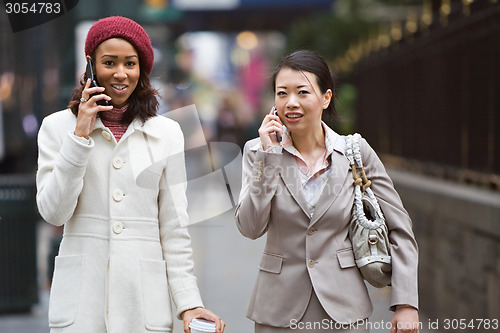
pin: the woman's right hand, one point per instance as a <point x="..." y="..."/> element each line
<point x="87" y="110"/>
<point x="271" y="125"/>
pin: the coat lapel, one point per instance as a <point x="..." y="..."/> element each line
<point x="338" y="178"/>
<point x="291" y="178"/>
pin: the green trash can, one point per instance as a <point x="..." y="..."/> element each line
<point x="18" y="221"/>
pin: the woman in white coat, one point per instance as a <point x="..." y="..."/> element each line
<point x="126" y="250"/>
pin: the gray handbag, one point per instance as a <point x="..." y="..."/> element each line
<point x="368" y="230"/>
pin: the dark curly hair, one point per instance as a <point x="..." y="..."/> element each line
<point x="142" y="104"/>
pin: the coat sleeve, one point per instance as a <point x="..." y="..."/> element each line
<point x="174" y="236"/>
<point x="62" y="162"/>
<point x="260" y="176"/>
<point x="404" y="249"/>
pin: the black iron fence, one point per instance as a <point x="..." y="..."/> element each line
<point x="431" y="98"/>
<point x="18" y="219"/>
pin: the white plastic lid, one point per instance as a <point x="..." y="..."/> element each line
<point x="202" y="325"/>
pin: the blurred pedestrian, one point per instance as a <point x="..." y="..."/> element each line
<point x="126" y="248"/>
<point x="298" y="189"/>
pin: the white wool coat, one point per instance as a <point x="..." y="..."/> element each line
<point x="125" y="250"/>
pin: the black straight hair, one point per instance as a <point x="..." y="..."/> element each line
<point x="310" y="61"/>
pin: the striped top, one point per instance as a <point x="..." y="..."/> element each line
<point x="114" y="121"/>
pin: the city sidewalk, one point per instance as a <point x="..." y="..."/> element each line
<point x="226" y="267"/>
<point x="34" y="322"/>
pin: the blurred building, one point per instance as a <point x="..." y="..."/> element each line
<point x="40" y="65"/>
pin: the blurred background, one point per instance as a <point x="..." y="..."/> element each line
<point x="420" y="79"/>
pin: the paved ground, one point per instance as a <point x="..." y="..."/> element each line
<point x="226" y="266"/>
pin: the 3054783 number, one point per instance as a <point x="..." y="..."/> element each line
<point x="34" y="8"/>
<point x="474" y="324"/>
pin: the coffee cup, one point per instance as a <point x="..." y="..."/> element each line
<point x="198" y="325"/>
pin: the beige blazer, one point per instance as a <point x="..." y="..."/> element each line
<point x="304" y="252"/>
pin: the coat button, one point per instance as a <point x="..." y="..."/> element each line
<point x="311" y="263"/>
<point x="117" y="228"/>
<point x="106" y="135"/>
<point x="118" y="195"/>
<point x="117" y="162"/>
<point x="311" y="231"/>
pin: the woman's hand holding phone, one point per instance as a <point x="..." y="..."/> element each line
<point x="271" y="130"/>
<point x="88" y="108"/>
<point x="93" y="80"/>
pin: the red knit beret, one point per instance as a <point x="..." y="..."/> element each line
<point x="121" y="27"/>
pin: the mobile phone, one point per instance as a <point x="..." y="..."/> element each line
<point x="278" y="136"/>
<point x="93" y="82"/>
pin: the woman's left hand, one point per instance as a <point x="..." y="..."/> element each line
<point x="405" y="320"/>
<point x="202" y="313"/>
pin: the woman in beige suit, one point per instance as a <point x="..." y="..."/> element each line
<point x="298" y="189"/>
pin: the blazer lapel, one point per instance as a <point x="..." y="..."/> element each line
<point x="291" y="178"/>
<point x="338" y="178"/>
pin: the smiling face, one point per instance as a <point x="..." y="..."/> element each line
<point x="299" y="100"/>
<point x="117" y="69"/>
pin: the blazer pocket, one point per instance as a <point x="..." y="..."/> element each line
<point x="346" y="258"/>
<point x="155" y="296"/>
<point x="65" y="291"/>
<point x="271" y="263"/>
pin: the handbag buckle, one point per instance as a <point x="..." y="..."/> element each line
<point x="372" y="239"/>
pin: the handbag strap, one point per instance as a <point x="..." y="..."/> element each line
<point x="362" y="184"/>
<point x="354" y="157"/>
